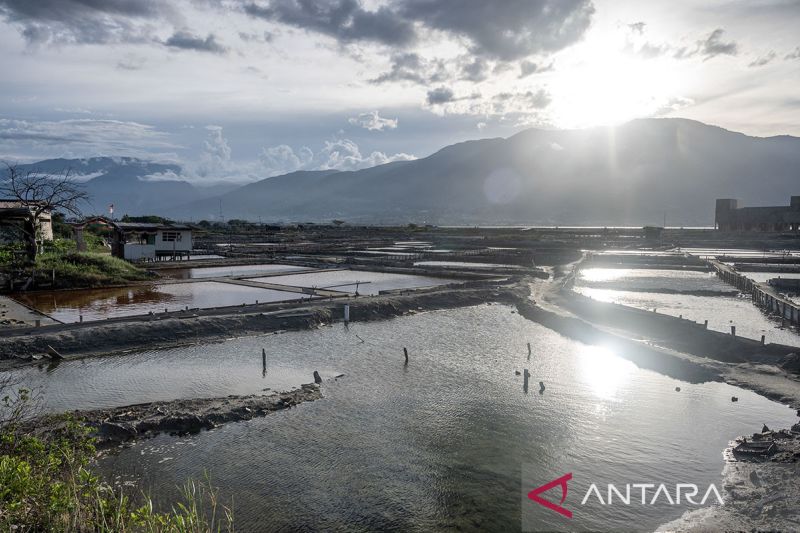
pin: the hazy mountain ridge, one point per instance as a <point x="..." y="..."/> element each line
<point x="632" y="174"/>
<point x="122" y="181"/>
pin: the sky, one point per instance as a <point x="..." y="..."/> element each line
<point x="240" y="90"/>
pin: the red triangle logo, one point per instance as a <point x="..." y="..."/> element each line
<point x="562" y="482"/>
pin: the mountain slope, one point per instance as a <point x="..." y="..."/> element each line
<point x="632" y="174"/>
<point x="121" y="181"/>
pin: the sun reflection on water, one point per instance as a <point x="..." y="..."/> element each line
<point x="604" y="372"/>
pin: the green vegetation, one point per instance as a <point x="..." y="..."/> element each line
<point x="149" y="219"/>
<point x="60" y="266"/>
<point x="46" y="484"/>
<point x="67" y="268"/>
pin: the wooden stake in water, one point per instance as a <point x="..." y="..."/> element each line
<point x="525" y="375"/>
<point x="263" y="362"/>
<point x="317" y="377"/>
<point x="405" y="353"/>
<point x="529" y="351"/>
<point x="541" y="387"/>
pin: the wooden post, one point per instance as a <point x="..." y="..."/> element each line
<point x="541" y="387"/>
<point x="529" y="351"/>
<point x="733" y="331"/>
<point x="525" y="375"/>
<point x="317" y="377"/>
<point x="763" y="339"/>
<point x="38" y="322"/>
<point x="80" y="318"/>
<point x="263" y="362"/>
<point x="405" y="353"/>
<point x="705" y="325"/>
<point x="347" y="312"/>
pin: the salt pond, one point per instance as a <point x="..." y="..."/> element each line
<point x="437" y="444"/>
<point x="348" y="280"/>
<point x="99" y="304"/>
<point x="221" y="271"/>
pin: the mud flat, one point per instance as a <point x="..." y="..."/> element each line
<point x="120" y="424"/>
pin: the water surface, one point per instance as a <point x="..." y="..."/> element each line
<point x="99" y="304"/>
<point x="437" y="444"/>
<point x="352" y="280"/>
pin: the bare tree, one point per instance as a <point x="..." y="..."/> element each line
<point x="40" y="193"/>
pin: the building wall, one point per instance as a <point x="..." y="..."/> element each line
<point x="729" y="217"/>
<point x="168" y="240"/>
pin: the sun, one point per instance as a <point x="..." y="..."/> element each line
<point x="608" y="84"/>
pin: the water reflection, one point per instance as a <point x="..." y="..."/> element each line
<point x="604" y="372"/>
<point x="98" y="304"/>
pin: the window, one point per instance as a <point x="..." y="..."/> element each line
<point x="171" y="236"/>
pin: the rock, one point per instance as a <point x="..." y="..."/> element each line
<point x="754" y="479"/>
<point x="677" y="389"/>
<point x="734" y="399"/>
<point x="764" y="429"/>
<point x="117" y="431"/>
<point x="317" y="377"/>
<point x="517" y="372"/>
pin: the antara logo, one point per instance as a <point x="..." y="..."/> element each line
<point x="562" y="482"/>
<point x="643" y="494"/>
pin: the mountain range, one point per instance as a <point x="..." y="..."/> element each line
<point x="632" y="174"/>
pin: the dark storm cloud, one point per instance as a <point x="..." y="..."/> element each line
<point x="345" y="20"/>
<point x="84" y="21"/>
<point x="506" y="30"/>
<point x="187" y="41"/>
<point x="713" y="45"/>
<point x="440" y="95"/>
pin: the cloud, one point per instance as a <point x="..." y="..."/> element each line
<point x="216" y="155"/>
<point x="507" y="30"/>
<point x="338" y="154"/>
<point x="412" y="67"/>
<point x="476" y="70"/>
<point x="763" y="60"/>
<point x="637" y="27"/>
<point x="185" y="40"/>
<point x="794" y="54"/>
<point x="713" y="45"/>
<point x="344" y="20"/>
<point x="131" y="62"/>
<point x="526" y="68"/>
<point x="372" y="121"/>
<point x="440" y="95"/>
<point x="85" y="21"/>
<point x="282" y="159"/>
<point x="82" y="137"/>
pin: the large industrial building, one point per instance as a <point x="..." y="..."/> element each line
<point x="730" y="217"/>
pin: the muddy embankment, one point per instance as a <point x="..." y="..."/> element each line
<point x="120" y="424"/>
<point x="760" y="494"/>
<point x="671" y="332"/>
<point x="138" y="333"/>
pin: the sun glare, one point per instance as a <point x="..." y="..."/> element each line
<point x="603" y="371"/>
<point x="610" y="85"/>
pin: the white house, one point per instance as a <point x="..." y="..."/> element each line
<point x="137" y="241"/>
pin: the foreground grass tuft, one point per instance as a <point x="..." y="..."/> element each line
<point x="46" y="485"/>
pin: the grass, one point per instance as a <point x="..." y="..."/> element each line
<point x="60" y="266"/>
<point x="46" y="484"/>
<point x="85" y="269"/>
